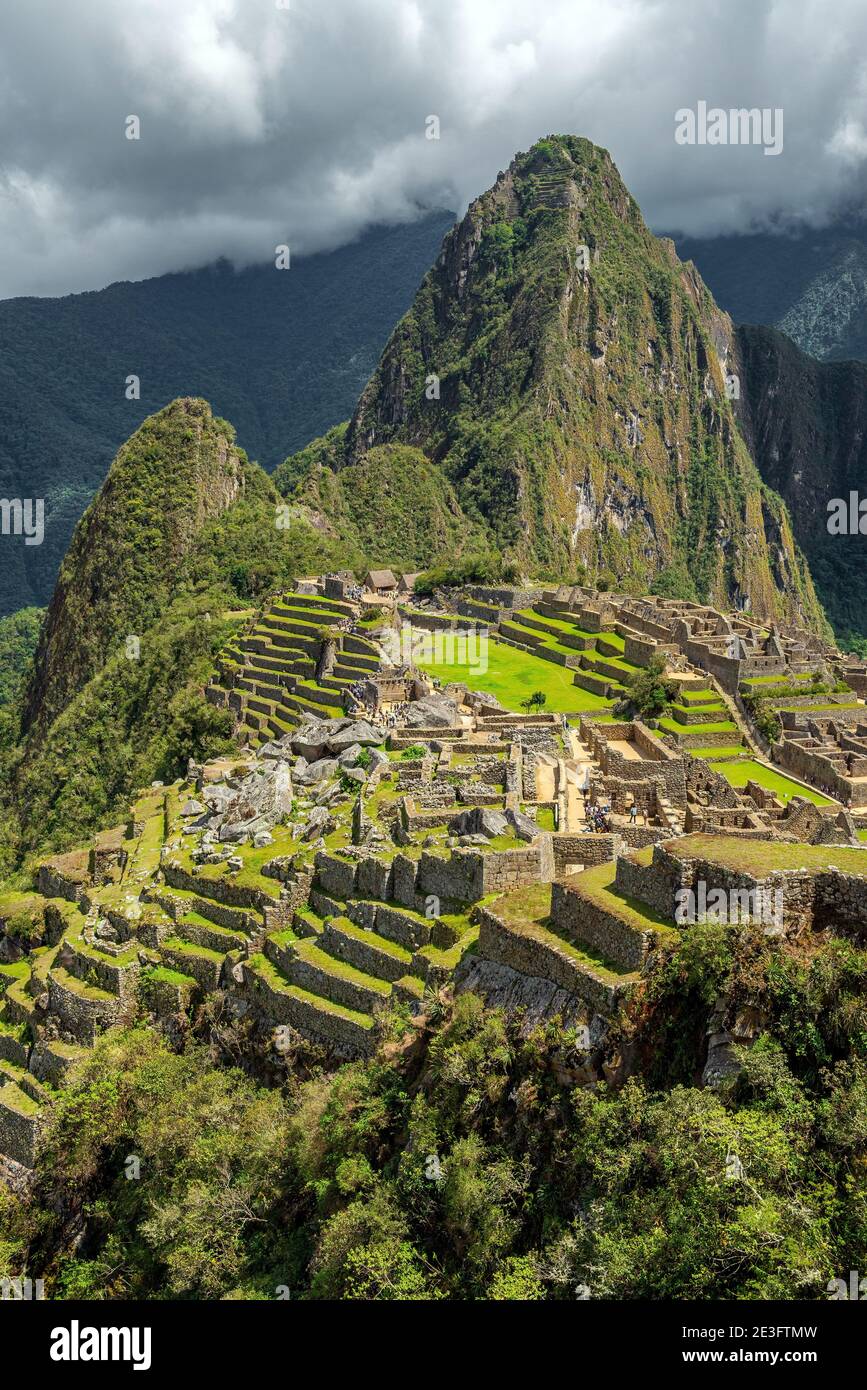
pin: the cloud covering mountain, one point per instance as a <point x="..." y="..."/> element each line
<point x="304" y="123"/>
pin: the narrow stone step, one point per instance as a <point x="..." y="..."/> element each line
<point x="204" y="965"/>
<point x="347" y="1032"/>
<point x="323" y="974"/>
<point x="367" y="951"/>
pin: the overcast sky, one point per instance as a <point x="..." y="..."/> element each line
<point x="303" y="125"/>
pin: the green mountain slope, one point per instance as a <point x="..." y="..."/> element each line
<point x="282" y="354"/>
<point x="578" y="412"/>
<point x="182" y="538"/>
<point x="391" y="503"/>
<point x="177" y="471"/>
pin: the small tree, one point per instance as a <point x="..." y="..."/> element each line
<point x="647" y="691"/>
<point x="537" y="700"/>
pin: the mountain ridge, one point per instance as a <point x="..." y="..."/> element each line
<point x="578" y="411"/>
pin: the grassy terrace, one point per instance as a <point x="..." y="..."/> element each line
<point x="821" y="707"/>
<point x="528" y="910"/>
<point x="260" y="965"/>
<point x="721" y="726"/>
<point x="513" y="675"/>
<point x="597" y="886"/>
<point x="564" y="625"/>
<point x="750" y="770"/>
<point x="763" y="856"/>
<point x="723" y="750"/>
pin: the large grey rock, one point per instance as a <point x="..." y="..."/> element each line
<point x="433" y="712"/>
<point x="193" y="808"/>
<point x="311" y="738"/>
<point x="327" y="793"/>
<point x="276" y="748"/>
<point x="217" y="796"/>
<point x="362" y="732"/>
<point x="350" y="755"/>
<point x="253" y="803"/>
<point x="355" y="774"/>
<point x="479" y="820"/>
<point x="316" y="772"/>
<point x="319" y="822"/>
<point x="524" y="826"/>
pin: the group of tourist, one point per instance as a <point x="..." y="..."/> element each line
<point x="598" y="814"/>
<point x="397" y="715"/>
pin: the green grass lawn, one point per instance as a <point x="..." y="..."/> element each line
<point x="718" y="726"/>
<point x="764" y="856"/>
<point x="513" y="675"/>
<point x="738" y="774"/>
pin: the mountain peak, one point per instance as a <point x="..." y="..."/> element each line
<point x="177" y="471"/>
<point x="567" y="375"/>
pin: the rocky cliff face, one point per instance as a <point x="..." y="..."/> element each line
<point x="179" y="470"/>
<point x="565" y="372"/>
<point x="806" y="424"/>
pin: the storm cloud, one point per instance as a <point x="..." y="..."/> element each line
<point x="304" y="123"/>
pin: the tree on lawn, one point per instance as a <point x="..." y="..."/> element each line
<point x="647" y="691"/>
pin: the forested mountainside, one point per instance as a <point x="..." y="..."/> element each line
<point x="183" y="536"/>
<point x="283" y="355"/>
<point x="810" y="283"/>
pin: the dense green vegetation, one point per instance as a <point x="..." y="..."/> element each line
<point x="771" y="277"/>
<point x="283" y="355"/>
<point x="472" y="1168"/>
<point x="19" y="634"/>
<point x="809" y="423"/>
<point x="648" y="693"/>
<point x="487" y="567"/>
<point x="393" y="504"/>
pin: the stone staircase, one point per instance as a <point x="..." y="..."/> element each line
<point x="352" y="952"/>
<point x="293" y="663"/>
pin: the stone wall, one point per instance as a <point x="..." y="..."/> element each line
<point x="81" y="1017"/>
<point x="584" y="922"/>
<point x="55" y="882"/>
<point x="813" y="766"/>
<point x="340" y="1035"/>
<point x="540" y="955"/>
<point x="639" y="650"/>
<point x="584" y="849"/>
<point x="19" y="1134"/>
